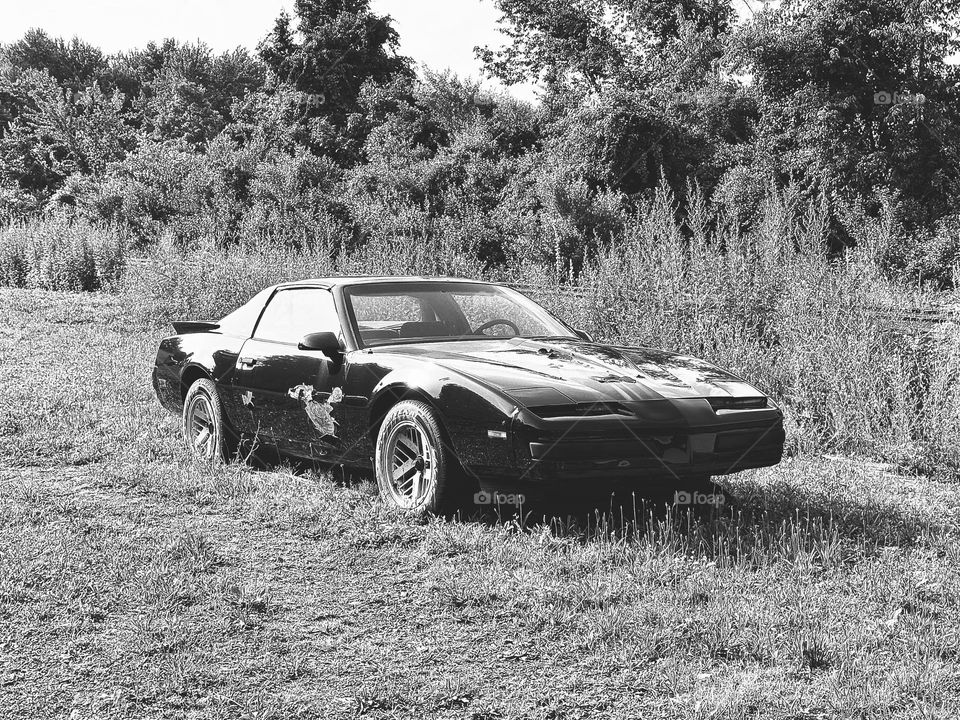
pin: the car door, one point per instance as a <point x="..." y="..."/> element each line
<point x="290" y="396"/>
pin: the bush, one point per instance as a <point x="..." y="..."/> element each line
<point x="938" y="418"/>
<point x="59" y="254"/>
<point x="768" y="305"/>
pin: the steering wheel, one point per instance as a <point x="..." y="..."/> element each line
<point x="497" y="321"/>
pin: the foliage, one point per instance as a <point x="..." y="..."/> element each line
<point x="327" y="130"/>
<point x="336" y="48"/>
<point x="61" y="255"/>
<point x="73" y="64"/>
<point x="857" y="100"/>
<point x="599" y="44"/>
<point x="57" y="132"/>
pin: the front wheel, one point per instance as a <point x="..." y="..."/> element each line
<point x="205" y="429"/>
<point x="414" y="467"/>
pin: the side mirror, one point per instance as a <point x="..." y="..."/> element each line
<point x="584" y="335"/>
<point x="325" y="342"/>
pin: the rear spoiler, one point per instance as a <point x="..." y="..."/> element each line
<point x="183" y="327"/>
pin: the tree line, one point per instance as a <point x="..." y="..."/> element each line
<point x="326" y="129"/>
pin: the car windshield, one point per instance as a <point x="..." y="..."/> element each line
<point x="385" y="313"/>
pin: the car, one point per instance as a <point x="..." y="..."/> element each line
<point x="444" y="387"/>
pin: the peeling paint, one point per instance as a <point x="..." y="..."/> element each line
<point x="319" y="412"/>
<point x="614" y="379"/>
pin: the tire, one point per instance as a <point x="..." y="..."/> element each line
<point x="415" y="469"/>
<point x="206" y="433"/>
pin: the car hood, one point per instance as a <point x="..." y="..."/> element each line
<point x="558" y="371"/>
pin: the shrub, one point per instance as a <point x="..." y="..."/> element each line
<point x="14" y="258"/>
<point x="767" y="304"/>
<point x="938" y="418"/>
<point x="60" y="254"/>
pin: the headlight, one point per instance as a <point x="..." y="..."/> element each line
<point x="738" y="403"/>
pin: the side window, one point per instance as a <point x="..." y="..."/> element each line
<point x="296" y="312"/>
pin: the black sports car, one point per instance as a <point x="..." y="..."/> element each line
<point x="442" y="386"/>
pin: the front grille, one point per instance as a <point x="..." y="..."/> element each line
<point x="741" y="440"/>
<point x="626" y="433"/>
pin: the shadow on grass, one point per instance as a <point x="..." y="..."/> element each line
<point x="806" y="512"/>
<point x="797" y="516"/>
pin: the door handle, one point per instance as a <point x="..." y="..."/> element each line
<point x="247" y="362"/>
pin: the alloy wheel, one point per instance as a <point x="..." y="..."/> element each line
<point x="411" y="464"/>
<point x="201" y="427"/>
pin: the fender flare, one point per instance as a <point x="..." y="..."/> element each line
<point x="409" y="384"/>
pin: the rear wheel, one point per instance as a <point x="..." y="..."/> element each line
<point x="205" y="430"/>
<point x="415" y="469"/>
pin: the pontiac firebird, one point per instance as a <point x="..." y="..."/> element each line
<point x="443" y="386"/>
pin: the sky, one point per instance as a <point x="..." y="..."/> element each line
<point x="440" y="34"/>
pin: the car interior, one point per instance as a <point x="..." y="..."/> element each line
<point x="409" y="330"/>
<point x="384" y="315"/>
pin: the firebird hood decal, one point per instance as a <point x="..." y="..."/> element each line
<point x="578" y="371"/>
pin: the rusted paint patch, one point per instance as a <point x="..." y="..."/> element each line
<point x="319" y="412"/>
<point x="614" y="379"/>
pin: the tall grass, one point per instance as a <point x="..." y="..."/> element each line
<point x="209" y="281"/>
<point x="59" y="254"/>
<point x="771" y="306"/>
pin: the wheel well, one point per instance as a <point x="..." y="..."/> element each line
<point x="393" y="395"/>
<point x="386" y="400"/>
<point x="189" y="377"/>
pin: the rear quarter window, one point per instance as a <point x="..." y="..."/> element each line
<point x="242" y="320"/>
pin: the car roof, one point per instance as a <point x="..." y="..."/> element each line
<point x="371" y="279"/>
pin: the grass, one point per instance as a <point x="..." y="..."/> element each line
<point x="59" y="254"/>
<point x="134" y="583"/>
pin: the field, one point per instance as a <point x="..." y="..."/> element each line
<point x="134" y="583"/>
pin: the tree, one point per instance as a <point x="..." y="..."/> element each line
<point x="596" y="44"/>
<point x="338" y="46"/>
<point x="856" y="100"/>
<point x="59" y="133"/>
<point x="74" y="64"/>
<point x="183" y="89"/>
<point x="634" y="87"/>
<point x="179" y="108"/>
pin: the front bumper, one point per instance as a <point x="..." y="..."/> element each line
<point x="578" y="451"/>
